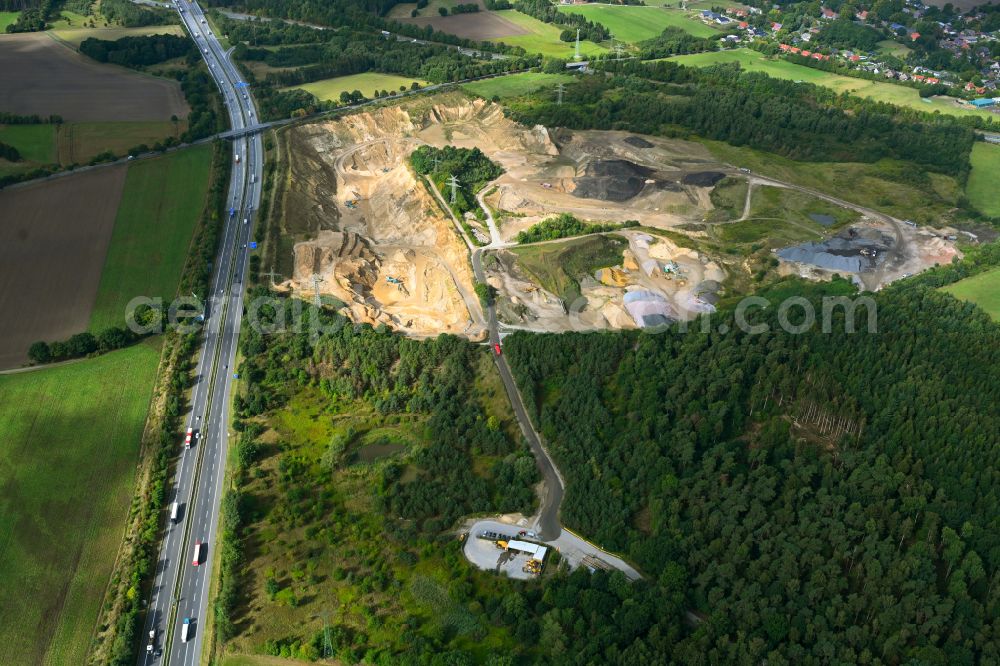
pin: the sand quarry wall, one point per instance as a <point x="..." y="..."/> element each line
<point x="351" y="176"/>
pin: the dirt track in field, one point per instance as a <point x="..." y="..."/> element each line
<point x="53" y="241"/>
<point x="42" y="76"/>
<point x="478" y="26"/>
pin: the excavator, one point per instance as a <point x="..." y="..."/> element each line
<point x="396" y="281"/>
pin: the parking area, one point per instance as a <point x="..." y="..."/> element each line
<point x="482" y="550"/>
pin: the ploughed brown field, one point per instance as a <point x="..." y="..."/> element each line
<point x="42" y="76"/>
<point x="53" y="241"/>
<point x="478" y="26"/>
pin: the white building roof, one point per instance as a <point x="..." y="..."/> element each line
<point x="533" y="549"/>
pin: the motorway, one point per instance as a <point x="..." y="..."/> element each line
<point x="180" y="589"/>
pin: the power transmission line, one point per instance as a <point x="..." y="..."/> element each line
<point x="316" y="279"/>
<point x="271" y="274"/>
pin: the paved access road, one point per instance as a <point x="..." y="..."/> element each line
<point x="180" y="589"/>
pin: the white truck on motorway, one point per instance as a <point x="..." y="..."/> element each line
<point x="185" y="629"/>
<point x="237" y="158"/>
<point x="174" y="508"/>
<point x="152" y="639"/>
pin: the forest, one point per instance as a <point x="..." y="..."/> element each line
<point x="470" y="167"/>
<point x="317" y="55"/>
<point x="796" y="120"/>
<point x="379" y="533"/>
<point x="137" y="52"/>
<point x="565" y="225"/>
<point x="675" y="41"/>
<point x="543" y="10"/>
<point x="822" y="497"/>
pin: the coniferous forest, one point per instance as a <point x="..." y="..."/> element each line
<point x="819" y="498"/>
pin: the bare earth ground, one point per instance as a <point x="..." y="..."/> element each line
<point x="53" y="240"/>
<point x="478" y="26"/>
<point x="42" y="76"/>
<point x="355" y="217"/>
<point x="395" y="230"/>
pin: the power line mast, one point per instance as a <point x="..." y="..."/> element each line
<point x="576" y="56"/>
<point x="560" y="89"/>
<point x="437" y="160"/>
<point x="327" y="652"/>
<point x="316" y="279"/>
<point x="454" y="188"/>
<point x="616" y="46"/>
<point x="271" y="274"/>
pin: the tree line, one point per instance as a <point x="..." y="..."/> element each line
<point x="565" y="225"/>
<point x="796" y="120"/>
<point x="137" y="52"/>
<point x="545" y="11"/>
<point x="469" y="166"/>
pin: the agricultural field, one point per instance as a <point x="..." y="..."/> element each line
<point x="882" y="92"/>
<point x="42" y="76"/>
<point x="478" y="26"/>
<point x="160" y="207"/>
<point x="635" y="23"/>
<point x="69" y="441"/>
<point x="78" y="142"/>
<point x="6" y="19"/>
<point x="543" y="37"/>
<point x="981" y="189"/>
<point x="982" y="289"/>
<point x="52" y="245"/>
<point x="36" y="143"/>
<point x="367" y="84"/>
<point x="74" y="35"/>
<point x="69" y="19"/>
<point x="515" y="85"/>
<point x="403" y="10"/>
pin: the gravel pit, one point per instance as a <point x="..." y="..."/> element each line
<point x="703" y="178"/>
<point x="612" y="180"/>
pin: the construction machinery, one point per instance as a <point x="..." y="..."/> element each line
<point x="502" y="545"/>
<point x="532" y="567"/>
<point x="396" y="281"/>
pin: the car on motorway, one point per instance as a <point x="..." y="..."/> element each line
<point x="196" y="560"/>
